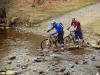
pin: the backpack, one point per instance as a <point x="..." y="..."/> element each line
<point x="61" y="23"/>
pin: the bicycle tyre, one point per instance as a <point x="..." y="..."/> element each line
<point x="67" y="40"/>
<point x="44" y="42"/>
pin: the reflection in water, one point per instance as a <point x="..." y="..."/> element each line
<point x="10" y="40"/>
<point x="81" y="51"/>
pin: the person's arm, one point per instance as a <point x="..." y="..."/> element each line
<point x="55" y="33"/>
<point x="76" y="27"/>
<point x="70" y="26"/>
<point x="57" y="30"/>
<point x="51" y="28"/>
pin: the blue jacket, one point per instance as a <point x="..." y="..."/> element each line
<point x="59" y="28"/>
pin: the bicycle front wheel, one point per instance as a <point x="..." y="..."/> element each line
<point x="45" y="44"/>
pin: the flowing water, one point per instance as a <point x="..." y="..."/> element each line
<point x="10" y="41"/>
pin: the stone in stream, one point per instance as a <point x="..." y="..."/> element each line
<point x="98" y="42"/>
<point x="63" y="69"/>
<point x="41" y="72"/>
<point x="97" y="65"/>
<point x="2" y="69"/>
<point x="12" y="58"/>
<point x="10" y="71"/>
<point x="68" y="73"/>
<point x="25" y="66"/>
<point x="38" y="60"/>
<point x="72" y="66"/>
<point x="93" y="59"/>
<point x="85" y="62"/>
<point x="2" y="73"/>
<point x="77" y="62"/>
<point x="9" y="62"/>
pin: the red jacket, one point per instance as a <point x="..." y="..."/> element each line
<point x="76" y="23"/>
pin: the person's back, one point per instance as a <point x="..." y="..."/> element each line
<point x="59" y="28"/>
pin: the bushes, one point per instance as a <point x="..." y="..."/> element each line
<point x="3" y="15"/>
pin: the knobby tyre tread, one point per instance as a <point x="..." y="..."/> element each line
<point x="43" y="43"/>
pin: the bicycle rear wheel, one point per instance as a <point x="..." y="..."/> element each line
<point x="67" y="40"/>
<point x="45" y="44"/>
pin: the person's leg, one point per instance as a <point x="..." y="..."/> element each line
<point x="58" y="38"/>
<point x="61" y="40"/>
<point x="81" y="37"/>
<point x="77" y="38"/>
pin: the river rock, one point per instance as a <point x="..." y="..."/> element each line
<point x="2" y="69"/>
<point x="10" y="71"/>
<point x="63" y="69"/>
<point x="9" y="62"/>
<point x="12" y="58"/>
<point x="2" y="73"/>
<point x="24" y="66"/>
<point x="93" y="59"/>
<point x="85" y="62"/>
<point x="98" y="42"/>
<point x="41" y="72"/>
<point x="72" y="66"/>
<point x="97" y="65"/>
<point x="77" y="62"/>
<point x="68" y="73"/>
<point x="37" y="60"/>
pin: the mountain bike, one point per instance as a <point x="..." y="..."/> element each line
<point x="70" y="39"/>
<point x="49" y="41"/>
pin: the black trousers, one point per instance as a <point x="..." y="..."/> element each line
<point x="60" y="38"/>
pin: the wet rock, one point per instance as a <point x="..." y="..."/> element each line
<point x="97" y="65"/>
<point x="68" y="73"/>
<point x="37" y="60"/>
<point x="63" y="69"/>
<point x="2" y="69"/>
<point x="41" y="54"/>
<point x="93" y="59"/>
<point x="24" y="66"/>
<point x="12" y="58"/>
<point x="10" y="71"/>
<point x="9" y="62"/>
<point x="72" y="66"/>
<point x="85" y="62"/>
<point x="41" y="72"/>
<point x="96" y="46"/>
<point x="18" y="65"/>
<point x="98" y="42"/>
<point x="77" y="62"/>
<point x="2" y="73"/>
<point x="51" y="52"/>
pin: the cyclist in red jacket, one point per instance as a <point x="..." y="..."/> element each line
<point x="77" y="29"/>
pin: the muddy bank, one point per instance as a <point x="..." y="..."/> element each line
<point x="84" y="15"/>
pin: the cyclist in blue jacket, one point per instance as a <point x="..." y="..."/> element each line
<point x="59" y="31"/>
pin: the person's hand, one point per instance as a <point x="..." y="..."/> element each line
<point x="68" y="28"/>
<point x="48" y="31"/>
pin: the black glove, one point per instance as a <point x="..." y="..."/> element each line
<point x="68" y="28"/>
<point x="48" y="30"/>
